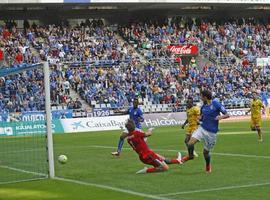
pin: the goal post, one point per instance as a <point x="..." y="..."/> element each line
<point x="26" y="140"/>
<point x="46" y="70"/>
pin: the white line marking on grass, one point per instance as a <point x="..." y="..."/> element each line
<point x="23" y="171"/>
<point x="21" y="181"/>
<point x="215" y="189"/>
<point x="81" y="183"/>
<point x="173" y="150"/>
<point x="235" y="133"/>
<point x="112" y="188"/>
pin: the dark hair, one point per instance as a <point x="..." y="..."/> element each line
<point x="207" y="94"/>
<point x="130" y="125"/>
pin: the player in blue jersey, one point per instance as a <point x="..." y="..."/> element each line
<point x="207" y="131"/>
<point x="136" y="114"/>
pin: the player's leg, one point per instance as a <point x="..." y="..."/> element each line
<point x="209" y="143"/>
<point x="196" y="137"/>
<point x="177" y="160"/>
<point x="259" y="130"/>
<point x="207" y="158"/>
<point x="188" y="136"/>
<point x="156" y="161"/>
<point x="120" y="145"/>
<point x="253" y="125"/>
<point x="161" y="168"/>
<point x="256" y="126"/>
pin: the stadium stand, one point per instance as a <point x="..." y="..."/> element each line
<point x="106" y="73"/>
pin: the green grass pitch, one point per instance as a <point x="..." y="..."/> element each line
<point x="240" y="169"/>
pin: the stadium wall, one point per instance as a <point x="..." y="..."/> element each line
<point x="90" y="124"/>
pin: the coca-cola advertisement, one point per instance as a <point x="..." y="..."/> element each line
<point x="188" y="50"/>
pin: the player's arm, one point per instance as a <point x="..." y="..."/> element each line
<point x="248" y="111"/>
<point x="185" y="123"/>
<point x="262" y="107"/>
<point x="140" y="118"/>
<point x="123" y="136"/>
<point x="223" y="110"/>
<point x="224" y="116"/>
<point x="148" y="132"/>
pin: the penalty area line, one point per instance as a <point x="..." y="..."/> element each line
<point x="215" y="189"/>
<point x="112" y="188"/>
<point x="173" y="150"/>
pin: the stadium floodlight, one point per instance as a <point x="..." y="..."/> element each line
<point x="26" y="141"/>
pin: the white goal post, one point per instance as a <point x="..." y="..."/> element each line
<point x="46" y="70"/>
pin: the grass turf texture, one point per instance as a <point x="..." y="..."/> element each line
<point x="238" y="160"/>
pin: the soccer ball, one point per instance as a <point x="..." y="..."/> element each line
<point x="62" y="159"/>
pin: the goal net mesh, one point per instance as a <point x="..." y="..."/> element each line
<point x="23" y="144"/>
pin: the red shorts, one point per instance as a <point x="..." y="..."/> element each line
<point x="151" y="158"/>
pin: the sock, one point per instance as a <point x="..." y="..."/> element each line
<point x="190" y="151"/>
<point x="207" y="158"/>
<point x="155" y="169"/>
<point x="152" y="170"/>
<point x="186" y="140"/>
<point x="174" y="161"/>
<point x="171" y="161"/>
<point x="120" y="145"/>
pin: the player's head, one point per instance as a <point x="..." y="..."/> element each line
<point x="206" y="96"/>
<point x="189" y="102"/>
<point x="130" y="125"/>
<point x="135" y="102"/>
<point x="254" y="95"/>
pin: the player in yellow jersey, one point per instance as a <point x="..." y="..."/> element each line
<point x="256" y="107"/>
<point x="193" y="116"/>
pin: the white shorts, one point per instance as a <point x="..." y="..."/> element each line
<point x="209" y="138"/>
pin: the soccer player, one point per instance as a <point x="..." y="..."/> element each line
<point x="136" y="140"/>
<point x="193" y="116"/>
<point x="207" y="131"/>
<point x="256" y="107"/>
<point x="136" y="114"/>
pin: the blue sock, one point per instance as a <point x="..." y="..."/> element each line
<point x="120" y="145"/>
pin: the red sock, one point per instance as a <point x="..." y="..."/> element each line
<point x="174" y="161"/>
<point x="151" y="170"/>
<point x="185" y="158"/>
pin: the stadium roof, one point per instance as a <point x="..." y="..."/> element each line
<point x="138" y="1"/>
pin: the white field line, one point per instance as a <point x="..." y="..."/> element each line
<point x="235" y="133"/>
<point x="215" y="189"/>
<point x="42" y="149"/>
<point x="112" y="188"/>
<point x="23" y="171"/>
<point x="21" y="181"/>
<point x="127" y="148"/>
<point x="83" y="183"/>
<point x="173" y="150"/>
<point x="158" y="197"/>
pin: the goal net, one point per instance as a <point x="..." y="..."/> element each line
<point x="23" y="132"/>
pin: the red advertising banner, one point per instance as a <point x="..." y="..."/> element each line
<point x="1" y="55"/>
<point x="187" y="50"/>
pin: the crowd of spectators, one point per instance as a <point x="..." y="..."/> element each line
<point x="242" y="39"/>
<point x="92" y="59"/>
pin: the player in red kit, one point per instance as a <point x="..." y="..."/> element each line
<point x="136" y="140"/>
